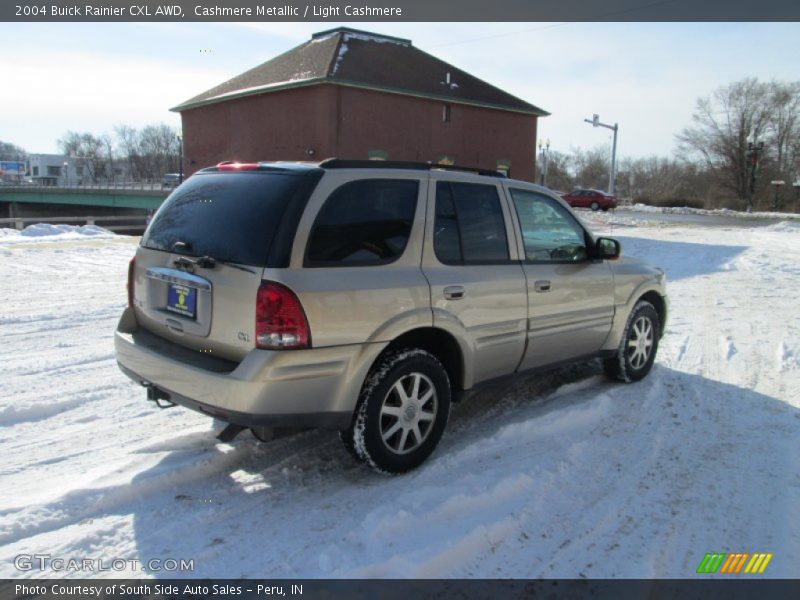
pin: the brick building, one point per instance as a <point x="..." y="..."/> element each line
<point x="352" y="94"/>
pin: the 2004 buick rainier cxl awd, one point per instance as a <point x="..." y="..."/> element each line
<point x="366" y="296"/>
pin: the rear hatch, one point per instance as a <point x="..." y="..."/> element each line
<point x="200" y="262"/>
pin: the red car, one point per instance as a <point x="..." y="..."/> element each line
<point x="593" y="199"/>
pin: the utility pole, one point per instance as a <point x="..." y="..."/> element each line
<point x="777" y="184"/>
<point x="754" y="152"/>
<point x="595" y="122"/>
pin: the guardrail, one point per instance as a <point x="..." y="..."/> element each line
<point x="133" y="221"/>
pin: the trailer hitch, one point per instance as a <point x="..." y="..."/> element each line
<point x="159" y="396"/>
<point x="230" y="432"/>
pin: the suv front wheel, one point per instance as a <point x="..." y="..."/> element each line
<point x="402" y="411"/>
<point x="637" y="351"/>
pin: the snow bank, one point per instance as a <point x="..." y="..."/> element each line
<point x="53" y="232"/>
<point x="784" y="227"/>
<point x="685" y="210"/>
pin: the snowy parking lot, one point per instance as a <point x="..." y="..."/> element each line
<point x="561" y="474"/>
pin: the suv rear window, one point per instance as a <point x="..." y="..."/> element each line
<point x="232" y="217"/>
<point x="363" y="223"/>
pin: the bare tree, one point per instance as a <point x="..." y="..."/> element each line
<point x="784" y="128"/>
<point x="159" y="149"/>
<point x="559" y="176"/>
<point x="9" y="151"/>
<point x="107" y="150"/>
<point x="128" y="146"/>
<point x="663" y="182"/>
<point x="150" y="152"/>
<point x="724" y="124"/>
<point x="591" y="167"/>
<point x="90" y="150"/>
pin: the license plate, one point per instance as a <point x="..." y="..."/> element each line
<point x="182" y="299"/>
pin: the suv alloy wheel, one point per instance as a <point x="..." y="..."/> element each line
<point x="637" y="351"/>
<point x="402" y="411"/>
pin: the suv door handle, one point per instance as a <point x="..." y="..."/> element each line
<point x="542" y="285"/>
<point x="454" y="292"/>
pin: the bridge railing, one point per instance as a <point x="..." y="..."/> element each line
<point x="114" y="185"/>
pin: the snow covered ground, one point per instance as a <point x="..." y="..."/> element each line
<point x="558" y="475"/>
<point x="686" y="210"/>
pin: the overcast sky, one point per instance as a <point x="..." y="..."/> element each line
<point x="646" y="77"/>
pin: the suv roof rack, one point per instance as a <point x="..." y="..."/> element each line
<point x="339" y="163"/>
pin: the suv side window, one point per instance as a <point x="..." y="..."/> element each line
<point x="549" y="232"/>
<point x="363" y="223"/>
<point x="469" y="226"/>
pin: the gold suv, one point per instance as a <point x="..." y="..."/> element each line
<point x="366" y="296"/>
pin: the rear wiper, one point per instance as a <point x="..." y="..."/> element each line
<point x="230" y="264"/>
<point x="207" y="262"/>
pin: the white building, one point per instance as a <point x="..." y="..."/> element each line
<point x="57" y="169"/>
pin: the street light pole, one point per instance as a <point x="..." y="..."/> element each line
<point x="180" y="158"/>
<point x="777" y="183"/>
<point x="595" y="122"/>
<point x="544" y="158"/>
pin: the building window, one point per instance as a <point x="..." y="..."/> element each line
<point x="79" y="171"/>
<point x="446" y="113"/>
<point x="35" y="171"/>
<point x="363" y="223"/>
<point x="54" y="171"/>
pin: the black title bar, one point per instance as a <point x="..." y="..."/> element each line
<point x="705" y="588"/>
<point x="398" y="10"/>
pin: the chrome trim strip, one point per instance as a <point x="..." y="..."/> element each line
<point x="179" y="277"/>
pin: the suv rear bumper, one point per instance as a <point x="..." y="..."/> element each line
<point x="291" y="388"/>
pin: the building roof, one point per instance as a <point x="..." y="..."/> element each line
<point x="354" y="58"/>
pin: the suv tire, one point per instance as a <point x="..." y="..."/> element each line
<point x="637" y="350"/>
<point x="402" y="411"/>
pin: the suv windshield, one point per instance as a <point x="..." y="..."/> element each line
<point x="231" y="217"/>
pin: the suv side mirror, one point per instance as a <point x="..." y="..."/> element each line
<point x="607" y="248"/>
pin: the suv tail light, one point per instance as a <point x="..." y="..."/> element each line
<point x="131" y="270"/>
<point x="281" y="322"/>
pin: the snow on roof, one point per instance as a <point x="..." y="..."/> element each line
<point x="371" y="37"/>
<point x="339" y="56"/>
<point x="304" y="76"/>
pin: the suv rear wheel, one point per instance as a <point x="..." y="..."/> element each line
<point x="402" y="411"/>
<point x="639" y="345"/>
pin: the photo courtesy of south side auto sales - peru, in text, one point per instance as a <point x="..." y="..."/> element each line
<point x="165" y="10"/>
<point x="148" y="589"/>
